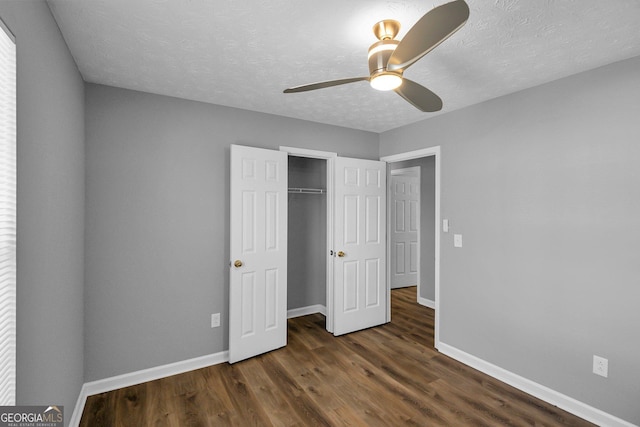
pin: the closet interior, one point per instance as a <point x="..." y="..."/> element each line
<point x="307" y="233"/>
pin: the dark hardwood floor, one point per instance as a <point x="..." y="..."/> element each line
<point x="385" y="376"/>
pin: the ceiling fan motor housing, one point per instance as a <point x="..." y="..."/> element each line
<point x="379" y="54"/>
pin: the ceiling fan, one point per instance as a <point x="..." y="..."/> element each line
<point x="389" y="58"/>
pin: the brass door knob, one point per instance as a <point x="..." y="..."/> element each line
<point x="237" y="263"/>
<point x="341" y="254"/>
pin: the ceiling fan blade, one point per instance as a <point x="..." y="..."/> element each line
<point x="419" y="96"/>
<point x="432" y="29"/>
<point x="322" y="85"/>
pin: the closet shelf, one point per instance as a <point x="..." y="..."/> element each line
<point x="296" y="190"/>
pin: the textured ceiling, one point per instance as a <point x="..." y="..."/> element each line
<point x="244" y="53"/>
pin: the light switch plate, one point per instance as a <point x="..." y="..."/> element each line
<point x="457" y="240"/>
<point x="445" y="225"/>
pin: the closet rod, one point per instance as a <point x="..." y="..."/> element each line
<point x="307" y="190"/>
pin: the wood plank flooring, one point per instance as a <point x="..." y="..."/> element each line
<point x="385" y="376"/>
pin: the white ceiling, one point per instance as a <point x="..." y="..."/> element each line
<point x="245" y="53"/>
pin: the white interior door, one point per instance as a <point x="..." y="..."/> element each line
<point x="360" y="291"/>
<point x="404" y="226"/>
<point x="258" y="276"/>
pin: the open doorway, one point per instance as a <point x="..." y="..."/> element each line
<point x="411" y="230"/>
<point x="428" y="220"/>
<point x="322" y="178"/>
<point x="306" y="234"/>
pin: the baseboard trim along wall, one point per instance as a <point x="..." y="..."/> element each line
<point x="304" y="311"/>
<point x="553" y="397"/>
<point x="150" y="374"/>
<point x="427" y="302"/>
<point x="138" y="377"/>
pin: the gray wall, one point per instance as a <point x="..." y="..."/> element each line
<point x="50" y="209"/>
<point x="307" y="234"/>
<point x="544" y="186"/>
<point x="157" y="220"/>
<point x="427" y="218"/>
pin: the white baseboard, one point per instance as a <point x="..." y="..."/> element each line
<point x="427" y="302"/>
<point x="304" y="311"/>
<point x="553" y="397"/>
<point x="76" y="416"/>
<point x="138" y="377"/>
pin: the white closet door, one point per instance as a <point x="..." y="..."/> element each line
<point x="258" y="276"/>
<point x="360" y="292"/>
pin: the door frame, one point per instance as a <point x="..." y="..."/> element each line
<point x="410" y="155"/>
<point x="410" y="171"/>
<point x="330" y="158"/>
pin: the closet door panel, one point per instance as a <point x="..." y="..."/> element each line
<point x="258" y="248"/>
<point x="360" y="244"/>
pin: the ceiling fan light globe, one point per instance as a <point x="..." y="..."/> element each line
<point x="386" y="81"/>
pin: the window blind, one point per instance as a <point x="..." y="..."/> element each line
<point x="7" y="217"/>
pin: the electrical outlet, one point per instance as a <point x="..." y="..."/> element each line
<point x="457" y="240"/>
<point x="215" y="320"/>
<point x="600" y="366"/>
